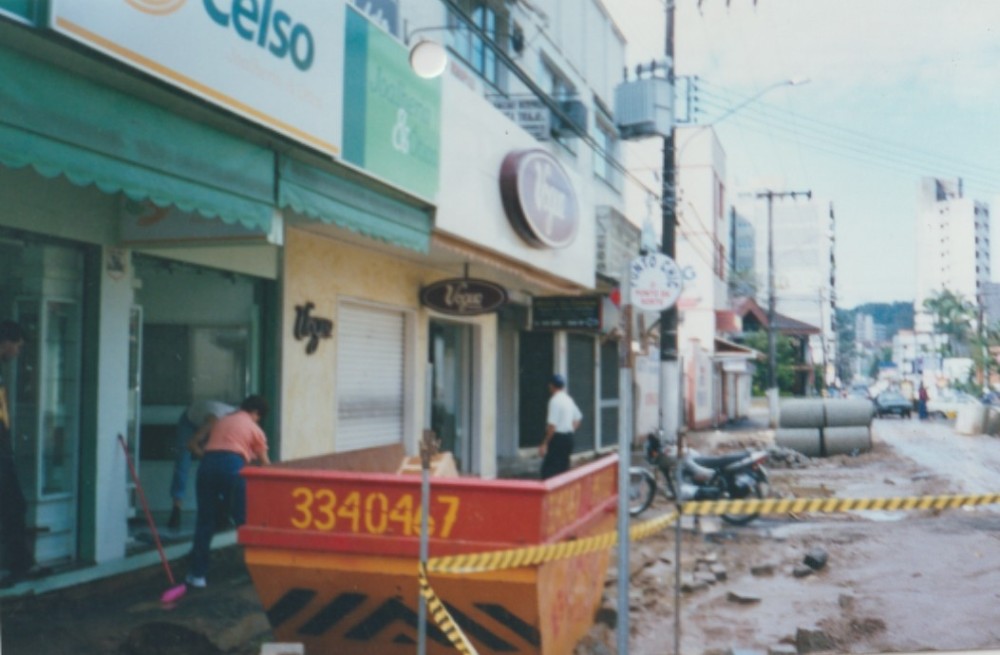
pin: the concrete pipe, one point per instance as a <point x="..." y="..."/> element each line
<point x="803" y="440"/>
<point x="992" y="421"/>
<point x="971" y="419"/>
<point x="846" y="440"/>
<point x="801" y="413"/>
<point x="848" y="412"/>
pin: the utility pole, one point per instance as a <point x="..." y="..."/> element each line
<point x="772" y="348"/>
<point x="669" y="366"/>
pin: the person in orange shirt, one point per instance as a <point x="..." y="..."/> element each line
<point x="235" y="441"/>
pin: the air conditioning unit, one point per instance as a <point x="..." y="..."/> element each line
<point x="644" y="108"/>
<point x="576" y="113"/>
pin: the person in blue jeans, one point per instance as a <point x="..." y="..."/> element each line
<point x="234" y="441"/>
<point x="198" y="418"/>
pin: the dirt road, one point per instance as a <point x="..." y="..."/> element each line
<point x="903" y="581"/>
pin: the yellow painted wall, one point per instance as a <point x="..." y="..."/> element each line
<point x="325" y="271"/>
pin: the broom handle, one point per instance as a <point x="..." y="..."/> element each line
<point x="145" y="508"/>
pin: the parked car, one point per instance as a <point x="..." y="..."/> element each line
<point x="892" y="403"/>
<point x="947" y="403"/>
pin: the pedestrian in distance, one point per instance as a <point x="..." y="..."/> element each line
<point x="922" y="398"/>
<point x="18" y="554"/>
<point x="562" y="421"/>
<point x="196" y="420"/>
<point x="233" y="442"/>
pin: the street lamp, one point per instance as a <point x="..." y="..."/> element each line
<point x="794" y="81"/>
<point x="428" y="58"/>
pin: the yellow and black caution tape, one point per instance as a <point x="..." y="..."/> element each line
<point x="534" y="555"/>
<point x="833" y="505"/>
<point x="441" y="616"/>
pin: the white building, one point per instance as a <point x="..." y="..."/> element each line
<point x="802" y="233"/>
<point x="953" y="245"/>
<point x="717" y="373"/>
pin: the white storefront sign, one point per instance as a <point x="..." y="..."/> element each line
<point x="279" y="63"/>
<point x="655" y="281"/>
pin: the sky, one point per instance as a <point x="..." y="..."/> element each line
<point x="897" y="90"/>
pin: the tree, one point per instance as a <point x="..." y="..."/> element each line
<point x="952" y="317"/>
<point x="787" y="358"/>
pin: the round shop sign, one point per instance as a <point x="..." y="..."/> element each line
<point x="655" y="281"/>
<point x="463" y="296"/>
<point x="539" y="199"/>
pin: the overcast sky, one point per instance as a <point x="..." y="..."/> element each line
<point x="899" y="89"/>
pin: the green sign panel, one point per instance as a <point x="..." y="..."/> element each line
<point x="392" y="118"/>
<point x="29" y="10"/>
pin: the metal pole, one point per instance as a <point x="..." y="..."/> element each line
<point x="669" y="366"/>
<point x="428" y="448"/>
<point x="624" y="460"/>
<point x="772" y="348"/>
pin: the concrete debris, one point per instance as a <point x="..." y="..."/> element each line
<point x="816" y="558"/>
<point x="719" y="571"/>
<point x="744" y="651"/>
<point x="690" y="584"/>
<point x="811" y="641"/>
<point x="782" y="649"/>
<point x="705" y="576"/>
<point x="742" y="597"/>
<point x="762" y="570"/>
<point x="802" y="571"/>
<point x="607" y="616"/>
<point x="782" y="457"/>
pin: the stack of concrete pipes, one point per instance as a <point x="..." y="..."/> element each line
<point x="822" y="427"/>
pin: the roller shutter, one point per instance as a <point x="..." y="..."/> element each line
<point x="370" y="377"/>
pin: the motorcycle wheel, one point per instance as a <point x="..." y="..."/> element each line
<point x="758" y="492"/>
<point x="641" y="488"/>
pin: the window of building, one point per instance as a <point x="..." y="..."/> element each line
<point x="561" y="90"/>
<point x="606" y="154"/>
<point x="492" y="19"/>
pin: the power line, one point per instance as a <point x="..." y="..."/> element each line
<point x="852" y="144"/>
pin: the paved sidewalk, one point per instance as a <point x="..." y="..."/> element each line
<point x="97" y="618"/>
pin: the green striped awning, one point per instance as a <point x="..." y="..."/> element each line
<point x="60" y="124"/>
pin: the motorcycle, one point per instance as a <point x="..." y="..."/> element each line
<point x="727" y="477"/>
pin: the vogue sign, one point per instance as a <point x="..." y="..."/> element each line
<point x="463" y="297"/>
<point x="539" y="199"/>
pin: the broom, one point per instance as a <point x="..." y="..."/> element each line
<point x="176" y="590"/>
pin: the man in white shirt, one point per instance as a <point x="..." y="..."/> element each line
<point x="563" y="419"/>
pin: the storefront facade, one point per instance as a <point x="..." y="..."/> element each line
<point x="166" y="238"/>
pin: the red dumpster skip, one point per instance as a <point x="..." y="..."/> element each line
<point x="333" y="555"/>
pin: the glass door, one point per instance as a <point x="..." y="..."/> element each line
<point x="47" y="406"/>
<point x="450" y="389"/>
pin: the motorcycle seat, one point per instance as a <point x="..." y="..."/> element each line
<point x="720" y="461"/>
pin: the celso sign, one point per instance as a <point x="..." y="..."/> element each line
<point x="275" y="31"/>
<point x="275" y="62"/>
